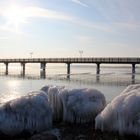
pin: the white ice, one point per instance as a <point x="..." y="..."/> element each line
<point x="122" y="114"/>
<point x="53" y="93"/>
<point x="56" y="102"/>
<point x="82" y="105"/>
<point x="30" y="113"/>
<point x="75" y="105"/>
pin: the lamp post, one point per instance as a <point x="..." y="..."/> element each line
<point x="31" y="54"/>
<point x="81" y="53"/>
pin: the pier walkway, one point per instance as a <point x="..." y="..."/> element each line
<point x="98" y="61"/>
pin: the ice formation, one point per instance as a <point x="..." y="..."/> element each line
<point x="30" y="113"/>
<point x="53" y="93"/>
<point x="75" y="105"/>
<point x="45" y="88"/>
<point x="122" y="114"/>
<point x="82" y="105"/>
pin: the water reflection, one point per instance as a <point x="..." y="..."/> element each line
<point x="14" y="84"/>
<point x="98" y="78"/>
<point x="86" y="79"/>
<point x="133" y="79"/>
<point x="11" y="91"/>
<point x="111" y="84"/>
<point x="42" y="74"/>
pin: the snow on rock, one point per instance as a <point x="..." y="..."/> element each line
<point x="30" y="113"/>
<point x="75" y="105"/>
<point x="122" y="114"/>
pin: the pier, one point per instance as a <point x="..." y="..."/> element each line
<point x="92" y="60"/>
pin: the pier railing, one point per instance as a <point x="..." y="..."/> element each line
<point x="98" y="61"/>
<point x="118" y="60"/>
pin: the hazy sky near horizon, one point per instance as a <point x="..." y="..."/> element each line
<point x="61" y="28"/>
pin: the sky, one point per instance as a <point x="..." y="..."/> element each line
<point x="64" y="28"/>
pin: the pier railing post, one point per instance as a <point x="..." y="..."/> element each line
<point x="98" y="68"/>
<point x="42" y="70"/>
<point x="133" y="68"/>
<point x="68" y="70"/>
<point x="23" y="69"/>
<point x="6" y="70"/>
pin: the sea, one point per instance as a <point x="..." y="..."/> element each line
<point x="111" y="81"/>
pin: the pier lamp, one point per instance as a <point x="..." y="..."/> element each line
<point x="31" y="54"/>
<point x="81" y="53"/>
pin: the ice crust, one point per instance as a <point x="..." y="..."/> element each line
<point x="36" y="111"/>
<point x="122" y="114"/>
<point x="75" y="105"/>
<point x="30" y="113"/>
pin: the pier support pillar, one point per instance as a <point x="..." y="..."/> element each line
<point x="68" y="70"/>
<point x="6" y="70"/>
<point x="23" y="69"/>
<point x="133" y="68"/>
<point x="98" y="68"/>
<point x="133" y="79"/>
<point x="43" y="70"/>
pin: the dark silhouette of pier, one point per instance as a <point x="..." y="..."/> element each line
<point x="98" y="61"/>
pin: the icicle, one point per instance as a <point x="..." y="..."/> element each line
<point x="55" y="102"/>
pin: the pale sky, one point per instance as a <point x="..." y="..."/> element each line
<point x="62" y="28"/>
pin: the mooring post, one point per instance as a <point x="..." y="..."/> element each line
<point x="133" y="68"/>
<point x="6" y="71"/>
<point x="23" y="69"/>
<point x="68" y="70"/>
<point x="98" y="68"/>
<point x="42" y="70"/>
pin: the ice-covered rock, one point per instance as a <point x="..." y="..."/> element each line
<point x="75" y="105"/>
<point x="122" y="114"/>
<point x="81" y="105"/>
<point x="30" y="113"/>
<point x="131" y="88"/>
<point x="45" y="88"/>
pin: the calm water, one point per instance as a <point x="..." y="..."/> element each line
<point x="112" y="80"/>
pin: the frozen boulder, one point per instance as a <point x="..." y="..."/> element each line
<point x="30" y="113"/>
<point x="122" y="114"/>
<point x="82" y="105"/>
<point x="75" y="105"/>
